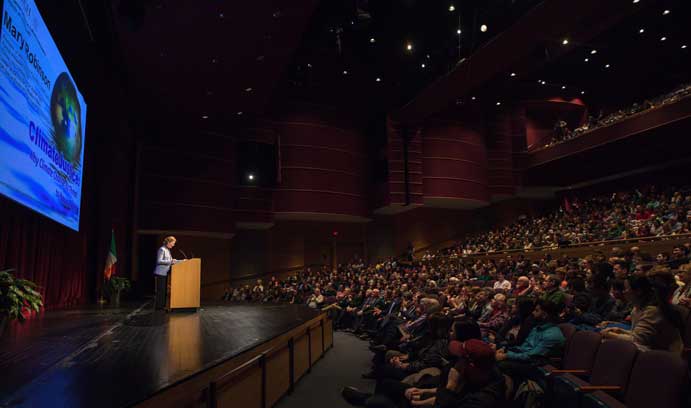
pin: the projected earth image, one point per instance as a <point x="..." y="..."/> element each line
<point x="66" y="114"/>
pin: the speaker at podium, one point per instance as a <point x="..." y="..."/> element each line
<point x="185" y="285"/>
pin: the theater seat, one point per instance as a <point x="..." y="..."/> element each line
<point x="578" y="359"/>
<point x="568" y="330"/>
<point x="657" y="380"/>
<point x="611" y="369"/>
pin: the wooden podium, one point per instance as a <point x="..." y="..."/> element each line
<point x="184" y="284"/>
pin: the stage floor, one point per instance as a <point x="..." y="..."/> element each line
<point x="119" y="357"/>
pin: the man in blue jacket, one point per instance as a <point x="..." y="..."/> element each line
<point x="544" y="341"/>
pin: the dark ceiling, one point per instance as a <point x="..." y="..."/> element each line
<point x="207" y="61"/>
<point x="627" y="65"/>
<point x="356" y="53"/>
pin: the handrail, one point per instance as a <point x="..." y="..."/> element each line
<point x="578" y="245"/>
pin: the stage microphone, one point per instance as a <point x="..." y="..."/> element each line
<point x="183" y="253"/>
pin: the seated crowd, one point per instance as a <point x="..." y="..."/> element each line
<point x="563" y="134"/>
<point x="642" y="213"/>
<point x="453" y="331"/>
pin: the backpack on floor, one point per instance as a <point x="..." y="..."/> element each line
<point x="529" y="395"/>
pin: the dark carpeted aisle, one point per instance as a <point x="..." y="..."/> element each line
<point x="341" y="366"/>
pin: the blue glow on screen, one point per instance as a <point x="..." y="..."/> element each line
<point x="42" y="118"/>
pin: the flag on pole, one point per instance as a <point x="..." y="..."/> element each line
<point x="112" y="258"/>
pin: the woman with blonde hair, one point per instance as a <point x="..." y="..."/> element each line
<point x="164" y="260"/>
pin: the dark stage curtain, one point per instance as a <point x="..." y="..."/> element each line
<point x="49" y="254"/>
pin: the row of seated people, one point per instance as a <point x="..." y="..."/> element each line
<point x="563" y="134"/>
<point x="641" y="213"/>
<point x="420" y="323"/>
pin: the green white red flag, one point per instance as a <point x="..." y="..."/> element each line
<point x="112" y="257"/>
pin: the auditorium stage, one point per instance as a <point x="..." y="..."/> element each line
<point x="134" y="356"/>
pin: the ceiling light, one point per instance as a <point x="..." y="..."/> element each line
<point x="372" y="40"/>
<point x="221" y="15"/>
<point x="587" y="59"/>
<point x="563" y="87"/>
<point x="593" y="52"/>
<point x="248" y="89"/>
<point x="239" y="113"/>
<point x="513" y="74"/>
<point x="472" y="98"/>
<point x="422" y="65"/>
<point x="498" y="103"/>
<point x="378" y="79"/>
<point x="483" y="28"/>
<point x="214" y="60"/>
<point x="452" y="7"/>
<point x="607" y="66"/>
<point x="250" y="176"/>
<point x="663" y="39"/>
<point x="309" y="65"/>
<point x="409" y="47"/>
<point x="636" y="1"/>
<point x="458" y="31"/>
<point x="205" y="116"/>
<point x="582" y="92"/>
<point x="345" y="72"/>
<point x="428" y="57"/>
<point x="664" y="13"/>
<point x="641" y="31"/>
<point x="565" y="41"/>
<point x="683" y="47"/>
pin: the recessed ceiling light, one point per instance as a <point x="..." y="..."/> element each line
<point x="587" y="59"/>
<point x="636" y="1"/>
<point x="664" y="13"/>
<point x="372" y="40"/>
<point x="483" y="28"/>
<point x="498" y="103"/>
<point x="683" y="47"/>
<point x="452" y="7"/>
<point x="543" y="82"/>
<point x="214" y="60"/>
<point x="607" y="66"/>
<point x="221" y="15"/>
<point x="593" y="52"/>
<point x="663" y="39"/>
<point x="422" y="65"/>
<point x="472" y="98"/>
<point x="249" y="89"/>
<point x="458" y="31"/>
<point x="409" y="47"/>
<point x="513" y="74"/>
<point x="582" y="92"/>
<point x="565" y="41"/>
<point x="239" y="113"/>
<point x="250" y="176"/>
<point x="205" y="116"/>
<point x="641" y="31"/>
<point x="378" y="79"/>
<point x="563" y="87"/>
<point x="345" y="72"/>
<point x="309" y="65"/>
<point x="428" y="57"/>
